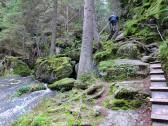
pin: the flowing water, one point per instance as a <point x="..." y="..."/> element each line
<point x="12" y="108"/>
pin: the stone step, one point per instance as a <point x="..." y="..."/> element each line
<point x="158" y="84"/>
<point x="159" y="109"/>
<point x="158" y="117"/>
<point x="159" y="88"/>
<point x="158" y="79"/>
<point x="156" y="72"/>
<point x="159" y="123"/>
<point x="159" y="94"/>
<point x="155" y="62"/>
<point x="160" y="101"/>
<point x="156" y="66"/>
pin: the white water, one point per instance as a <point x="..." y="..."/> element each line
<point x="13" y="108"/>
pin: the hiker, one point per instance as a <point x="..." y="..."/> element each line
<point x="114" y="26"/>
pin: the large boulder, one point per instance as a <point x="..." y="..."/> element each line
<point x="54" y="68"/>
<point x="142" y="69"/>
<point x="14" y="65"/>
<point x="129" y="50"/>
<point x="108" y="51"/>
<point x="63" y="85"/>
<point x="122" y="69"/>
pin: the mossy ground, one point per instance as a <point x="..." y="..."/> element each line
<point x="65" y="109"/>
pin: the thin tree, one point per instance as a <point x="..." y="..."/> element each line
<point x="85" y="63"/>
<point x="54" y="27"/>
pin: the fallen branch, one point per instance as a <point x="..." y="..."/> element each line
<point x="103" y="28"/>
<point x="159" y="33"/>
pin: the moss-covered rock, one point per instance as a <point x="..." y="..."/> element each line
<point x="126" y="94"/>
<point x="121" y="104"/>
<point x="50" y="69"/>
<point x="85" y="81"/>
<point x="124" y="99"/>
<point x="129" y="50"/>
<point x="111" y="71"/>
<point x="73" y="50"/>
<point x="63" y="85"/>
<point x="13" y="65"/>
<point x="108" y="51"/>
<point x="123" y="69"/>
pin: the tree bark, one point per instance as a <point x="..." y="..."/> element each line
<point x="54" y="28"/>
<point x="95" y="30"/>
<point x="85" y="63"/>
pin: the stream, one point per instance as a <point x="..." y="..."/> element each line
<point x="12" y="108"/>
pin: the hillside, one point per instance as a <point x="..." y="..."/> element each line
<point x="62" y="65"/>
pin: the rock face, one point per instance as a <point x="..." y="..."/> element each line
<point x="63" y="85"/>
<point x="129" y="50"/>
<point x="13" y="65"/>
<point x="141" y="67"/>
<point x="51" y="69"/>
<point x="122" y="69"/>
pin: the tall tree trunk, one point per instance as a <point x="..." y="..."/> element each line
<point x="54" y="28"/>
<point x="95" y="30"/>
<point x="85" y="63"/>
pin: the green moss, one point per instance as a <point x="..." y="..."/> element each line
<point x="108" y="51"/>
<point x="18" y="66"/>
<point x="163" y="55"/>
<point x="131" y="27"/>
<point x="121" y="104"/>
<point x="40" y="120"/>
<point x="113" y="72"/>
<point x="63" y="85"/>
<point x="28" y="89"/>
<point x="113" y="89"/>
<point x="129" y="50"/>
<point x="126" y="94"/>
<point x="53" y="67"/>
<point x="141" y="12"/>
<point x="63" y="110"/>
<point x="73" y="50"/>
<point x="85" y="81"/>
<point x="21" y="69"/>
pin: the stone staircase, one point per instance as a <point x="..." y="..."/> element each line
<point x="159" y="93"/>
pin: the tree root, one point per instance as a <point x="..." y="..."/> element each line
<point x="95" y="91"/>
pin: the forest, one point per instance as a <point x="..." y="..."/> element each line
<point x="83" y="62"/>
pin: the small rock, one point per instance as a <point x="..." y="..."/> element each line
<point x="97" y="110"/>
<point x="147" y="59"/>
<point x="120" y="37"/>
